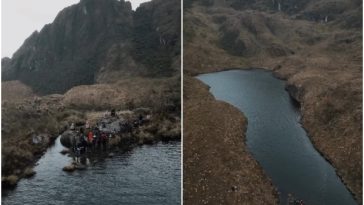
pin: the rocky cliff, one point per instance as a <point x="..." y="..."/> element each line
<point x="98" y="41"/>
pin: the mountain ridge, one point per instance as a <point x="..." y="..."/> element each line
<point x="89" y="41"/>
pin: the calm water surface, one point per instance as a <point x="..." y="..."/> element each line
<point x="149" y="174"/>
<point x="276" y="138"/>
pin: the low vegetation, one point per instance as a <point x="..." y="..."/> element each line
<point x="44" y="118"/>
<point x="321" y="58"/>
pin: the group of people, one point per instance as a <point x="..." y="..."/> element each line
<point x="90" y="140"/>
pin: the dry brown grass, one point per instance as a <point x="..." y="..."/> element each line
<point x="23" y="118"/>
<point x="29" y="172"/>
<point x="9" y="181"/>
<point x="131" y="93"/>
<point x="218" y="169"/>
<point x="25" y="114"/>
<point x="15" y="91"/>
<point x="18" y="128"/>
<point x="325" y="67"/>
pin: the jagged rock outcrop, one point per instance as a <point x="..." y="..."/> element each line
<point x="95" y="40"/>
<point x="70" y="50"/>
<point x="157" y="35"/>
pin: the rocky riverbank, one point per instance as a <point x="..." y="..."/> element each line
<point x="123" y="130"/>
<point x="218" y="168"/>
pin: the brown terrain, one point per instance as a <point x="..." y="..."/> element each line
<point x="320" y="60"/>
<point x="217" y="166"/>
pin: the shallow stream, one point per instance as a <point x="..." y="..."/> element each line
<point x="149" y="174"/>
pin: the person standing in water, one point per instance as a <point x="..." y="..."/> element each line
<point x="104" y="140"/>
<point x="90" y="138"/>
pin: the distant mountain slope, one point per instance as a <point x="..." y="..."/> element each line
<point x="313" y="10"/>
<point x="93" y="41"/>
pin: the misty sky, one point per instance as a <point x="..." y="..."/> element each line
<point x="20" y="18"/>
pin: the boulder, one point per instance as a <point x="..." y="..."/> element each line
<point x="113" y="125"/>
<point x="80" y="167"/>
<point x="65" y="151"/>
<point x="66" y="138"/>
<point x="69" y="168"/>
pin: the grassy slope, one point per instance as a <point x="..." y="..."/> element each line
<point x="325" y="68"/>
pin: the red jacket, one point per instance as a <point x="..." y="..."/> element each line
<point x="90" y="137"/>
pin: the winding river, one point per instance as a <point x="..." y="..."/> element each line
<point x="149" y="174"/>
<point x="276" y="138"/>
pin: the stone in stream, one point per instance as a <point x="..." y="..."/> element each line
<point x="69" y="168"/>
<point x="65" y="151"/>
<point x="77" y="165"/>
<point x="80" y="167"/>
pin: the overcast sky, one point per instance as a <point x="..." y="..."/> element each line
<point x="20" y="18"/>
